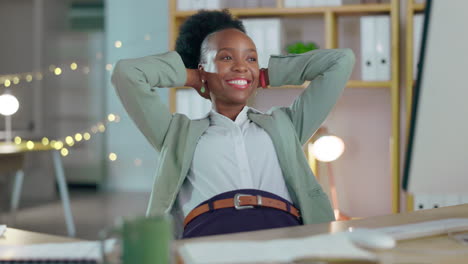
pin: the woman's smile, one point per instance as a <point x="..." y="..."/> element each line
<point x="239" y="83"/>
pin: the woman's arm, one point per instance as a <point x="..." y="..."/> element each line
<point x="136" y="82"/>
<point x="327" y="69"/>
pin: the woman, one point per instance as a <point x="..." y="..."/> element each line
<point x="236" y="169"/>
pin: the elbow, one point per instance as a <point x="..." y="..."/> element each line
<point x="348" y="56"/>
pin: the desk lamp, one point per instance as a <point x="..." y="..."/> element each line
<point x="8" y="106"/>
<point x="325" y="147"/>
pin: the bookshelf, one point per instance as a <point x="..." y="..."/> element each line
<point x="411" y="9"/>
<point x="330" y="16"/>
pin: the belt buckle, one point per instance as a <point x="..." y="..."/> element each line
<point x="237" y="202"/>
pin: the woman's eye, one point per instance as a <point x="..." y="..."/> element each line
<point x="227" y="58"/>
<point x="252" y="59"/>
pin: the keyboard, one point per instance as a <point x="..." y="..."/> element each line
<point x="424" y="229"/>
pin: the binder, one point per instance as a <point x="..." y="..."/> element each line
<point x="417" y="36"/>
<point x="290" y="3"/>
<point x="266" y="34"/>
<point x="368" y="58"/>
<point x="198" y="4"/>
<point x="375" y="48"/>
<point x="213" y="4"/>
<point x="191" y="104"/>
<point x="183" y="5"/>
<point x="382" y="48"/>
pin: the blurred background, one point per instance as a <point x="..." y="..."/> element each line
<point x="57" y="57"/>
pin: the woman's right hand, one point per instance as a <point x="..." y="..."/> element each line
<point x="194" y="81"/>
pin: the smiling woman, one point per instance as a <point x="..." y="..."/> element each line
<point x="235" y="158"/>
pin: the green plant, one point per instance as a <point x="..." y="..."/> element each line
<point x="300" y="47"/>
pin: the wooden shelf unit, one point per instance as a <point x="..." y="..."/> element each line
<point x="411" y="9"/>
<point x="330" y="14"/>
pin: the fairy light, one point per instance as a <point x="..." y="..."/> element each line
<point x="29" y="78"/>
<point x="16" y="80"/>
<point x="87" y="136"/>
<point x="45" y="141"/>
<point x="111" y="117"/>
<point x="78" y="137"/>
<point x="39" y="76"/>
<point x="118" y="44"/>
<point x="30" y="145"/>
<point x="52" y="68"/>
<point x="101" y="128"/>
<point x="7" y="83"/>
<point x="69" y="140"/>
<point x="94" y="129"/>
<point x="112" y="156"/>
<point x="58" y="145"/>
<point x="17" y="140"/>
<point x="109" y="67"/>
<point x="57" y="71"/>
<point x="73" y="66"/>
<point x="64" y="152"/>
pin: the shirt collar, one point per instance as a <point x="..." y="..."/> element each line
<point x="218" y="119"/>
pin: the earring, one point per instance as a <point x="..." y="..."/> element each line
<point x="202" y="89"/>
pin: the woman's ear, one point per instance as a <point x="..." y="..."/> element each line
<point x="201" y="72"/>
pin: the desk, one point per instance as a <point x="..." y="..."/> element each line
<point x="18" y="237"/>
<point x="11" y="160"/>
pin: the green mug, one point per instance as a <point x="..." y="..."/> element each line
<point x="144" y="240"/>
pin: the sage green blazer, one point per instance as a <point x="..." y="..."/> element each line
<point x="175" y="136"/>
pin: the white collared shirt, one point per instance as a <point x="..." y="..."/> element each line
<point x="232" y="155"/>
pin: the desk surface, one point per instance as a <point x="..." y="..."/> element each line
<point x="436" y="249"/>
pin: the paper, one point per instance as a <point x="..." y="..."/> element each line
<point x="57" y="251"/>
<point x="336" y="246"/>
<point x="2" y="229"/>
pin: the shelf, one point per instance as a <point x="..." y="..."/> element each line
<point x="419" y="7"/>
<point x="293" y="12"/>
<point x="350" y="84"/>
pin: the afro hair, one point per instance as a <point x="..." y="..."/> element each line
<point x="195" y="29"/>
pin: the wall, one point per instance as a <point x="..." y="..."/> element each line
<point x="129" y="22"/>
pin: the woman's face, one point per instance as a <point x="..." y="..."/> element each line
<point x="231" y="69"/>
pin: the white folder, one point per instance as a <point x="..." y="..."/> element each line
<point x="198" y="4"/>
<point x="191" y="104"/>
<point x="290" y="3"/>
<point x="305" y="3"/>
<point x="266" y="33"/>
<point x="368" y="58"/>
<point x="213" y="4"/>
<point x="183" y="5"/>
<point x="417" y="36"/>
<point x="382" y="48"/>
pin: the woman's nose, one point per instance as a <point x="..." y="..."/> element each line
<point x="239" y="66"/>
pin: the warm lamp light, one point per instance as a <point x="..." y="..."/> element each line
<point x="8" y="104"/>
<point x="327" y="148"/>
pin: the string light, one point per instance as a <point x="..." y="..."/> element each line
<point x="118" y="44"/>
<point x="73" y="66"/>
<point x="58" y="145"/>
<point x="17" y="140"/>
<point x="101" y="128"/>
<point x="16" y="80"/>
<point x="52" y="68"/>
<point x="64" y="152"/>
<point x="30" y="145"/>
<point x="58" y="71"/>
<point x="87" y="136"/>
<point x="111" y="117"/>
<point x="112" y="156"/>
<point x="45" y="141"/>
<point x="7" y="83"/>
<point x="78" y="137"/>
<point x="69" y="140"/>
<point x="109" y="67"/>
<point x="29" y="78"/>
<point x="39" y="76"/>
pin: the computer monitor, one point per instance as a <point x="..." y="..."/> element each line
<point x="437" y="150"/>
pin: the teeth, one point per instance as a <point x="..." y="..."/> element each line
<point x="238" y="82"/>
